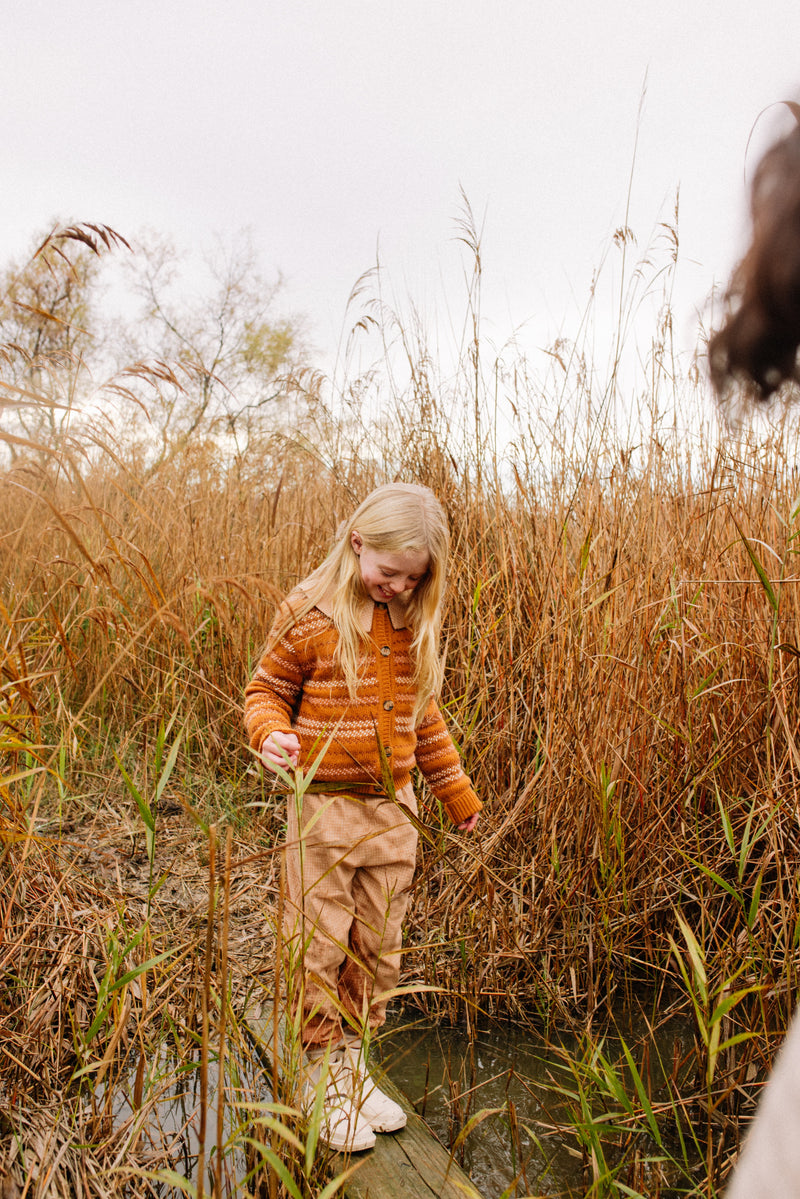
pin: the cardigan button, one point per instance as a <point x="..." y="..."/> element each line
<point x="388" y="705"/>
<point x="387" y="749"/>
<point x="385" y="650"/>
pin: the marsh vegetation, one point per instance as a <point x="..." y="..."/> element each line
<point x="623" y="682"/>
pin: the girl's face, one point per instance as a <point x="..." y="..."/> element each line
<point x="386" y="575"/>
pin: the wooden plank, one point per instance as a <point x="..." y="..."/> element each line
<point x="411" y="1163"/>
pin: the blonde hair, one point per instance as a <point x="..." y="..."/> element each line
<point x="397" y="518"/>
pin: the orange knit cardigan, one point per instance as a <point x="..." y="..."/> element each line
<point x="296" y="688"/>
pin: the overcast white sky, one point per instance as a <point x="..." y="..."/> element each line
<point x="332" y="127"/>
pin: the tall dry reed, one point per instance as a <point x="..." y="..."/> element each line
<point x="622" y="672"/>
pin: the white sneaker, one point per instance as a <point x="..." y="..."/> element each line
<point x="343" y="1128"/>
<point x="380" y="1112"/>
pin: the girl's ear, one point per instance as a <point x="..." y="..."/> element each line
<point x="356" y="542"/>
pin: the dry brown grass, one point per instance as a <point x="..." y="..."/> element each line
<point x="622" y="678"/>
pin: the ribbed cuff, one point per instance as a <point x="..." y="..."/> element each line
<point x="462" y="807"/>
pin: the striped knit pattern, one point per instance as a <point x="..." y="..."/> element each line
<point x="296" y="688"/>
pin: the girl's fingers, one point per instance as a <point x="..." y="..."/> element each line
<point x="279" y="756"/>
<point x="467" y="826"/>
<point x="279" y="746"/>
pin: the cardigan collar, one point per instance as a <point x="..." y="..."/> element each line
<point x="396" y="609"/>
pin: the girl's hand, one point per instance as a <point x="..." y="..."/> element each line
<point x="277" y="747"/>
<point x="468" y="825"/>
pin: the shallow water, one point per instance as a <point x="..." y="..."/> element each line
<point x="451" y="1077"/>
<point x="166" y="1125"/>
<point x="499" y="1084"/>
<point x="448" y="1077"/>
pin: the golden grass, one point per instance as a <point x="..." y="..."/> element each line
<point x="622" y="678"/>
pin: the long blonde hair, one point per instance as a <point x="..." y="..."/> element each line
<point x="396" y="518"/>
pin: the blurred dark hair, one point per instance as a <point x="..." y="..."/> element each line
<point x="757" y="344"/>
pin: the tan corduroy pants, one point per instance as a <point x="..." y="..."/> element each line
<point x="349" y="866"/>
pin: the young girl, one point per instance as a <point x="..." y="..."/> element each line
<point x="352" y="669"/>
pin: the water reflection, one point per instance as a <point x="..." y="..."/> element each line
<point x="522" y="1077"/>
<point x="504" y="1086"/>
<point x="451" y="1078"/>
<point x="165" y="1127"/>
